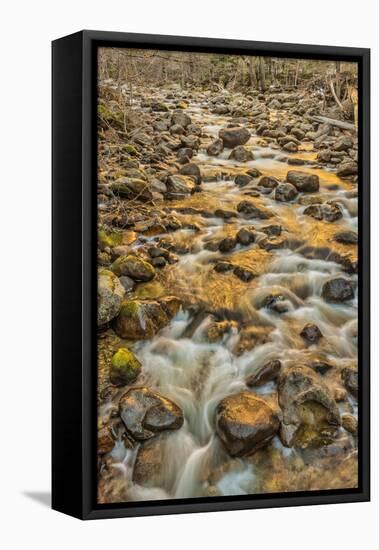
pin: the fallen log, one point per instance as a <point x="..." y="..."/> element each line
<point x="333" y="122"/>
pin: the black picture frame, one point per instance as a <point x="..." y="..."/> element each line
<point x="74" y="274"/>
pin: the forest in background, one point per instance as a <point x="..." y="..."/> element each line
<point x="335" y="82"/>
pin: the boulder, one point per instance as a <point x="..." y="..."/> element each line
<point x="184" y="155"/>
<point x="344" y="143"/>
<point x="350" y="423"/>
<point x="227" y="244"/>
<point x="231" y="137"/>
<point x="304" y="182"/>
<point x="243" y="273"/>
<point x="310" y="414"/>
<point x="127" y="283"/>
<point x="328" y="211"/>
<point x="241" y="154"/>
<point x="337" y="290"/>
<point x="242" y="179"/>
<point x="311" y="333"/>
<point x="146" y="413"/>
<point x="291" y="147"/>
<point x="245" y="236"/>
<point x="347" y="169"/>
<point x="285" y="192"/>
<point x="131" y="188"/>
<point x="268" y="182"/>
<point x="142" y="319"/>
<point x="346" y="237"/>
<point x="223" y="267"/>
<point x="180" y="184"/>
<point x="181" y="119"/>
<point x="105" y="441"/>
<point x="215" y="148"/>
<point x="125" y="367"/>
<point x="134" y="267"/>
<point x="349" y="377"/>
<point x="110" y="293"/>
<point x="177" y="129"/>
<point x="191" y="169"/>
<point x="250" y="210"/>
<point x="245" y="423"/>
<point x="264" y="373"/>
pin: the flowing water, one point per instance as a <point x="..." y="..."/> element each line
<point x="196" y="373"/>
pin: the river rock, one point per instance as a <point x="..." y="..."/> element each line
<point x="265" y="373"/>
<point x="180" y="184"/>
<point x="285" y="192"/>
<point x="142" y="319"/>
<point x="159" y="262"/>
<point x="268" y="182"/>
<point x="231" y="137"/>
<point x="125" y="367"/>
<point x="338" y="289"/>
<point x="324" y="156"/>
<point x="274" y="230"/>
<point x="328" y="211"/>
<point x="349" y="377"/>
<point x="243" y="273"/>
<point x="245" y="236"/>
<point x="303" y="181"/>
<point x="347" y="169"/>
<point x="191" y="169"/>
<point x="223" y="267"/>
<point x="145" y="413"/>
<point x="131" y="188"/>
<point x="105" y="441"/>
<point x="191" y="141"/>
<point x="291" y="147"/>
<point x="127" y="283"/>
<point x="176" y="129"/>
<point x="215" y="148"/>
<point x="245" y="423"/>
<point x="110" y="293"/>
<point x="241" y="154"/>
<point x="227" y="244"/>
<point x="242" y="180"/>
<point x="310" y="414"/>
<point x="346" y="237"/>
<point x="181" y="119"/>
<point x="250" y="210"/>
<point x="134" y="267"/>
<point x="311" y="333"/>
<point x="350" y="423"/>
<point x="344" y="143"/>
<point x="184" y="155"/>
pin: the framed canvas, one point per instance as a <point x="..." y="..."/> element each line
<point x="210" y="275"/>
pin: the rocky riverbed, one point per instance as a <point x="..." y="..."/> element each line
<point x="227" y="295"/>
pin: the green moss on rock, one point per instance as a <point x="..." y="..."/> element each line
<point x="133" y="267"/>
<point x="125" y="367"/>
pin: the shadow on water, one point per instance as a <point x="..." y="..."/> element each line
<point x="41" y="497"/>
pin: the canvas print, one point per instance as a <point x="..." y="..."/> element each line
<point x="227" y="278"/>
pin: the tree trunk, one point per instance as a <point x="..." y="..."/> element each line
<point x="262" y="77"/>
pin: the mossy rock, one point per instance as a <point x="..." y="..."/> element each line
<point x="131" y="188"/>
<point x="142" y="319"/>
<point x="134" y="267"/>
<point x="113" y="118"/>
<point x="130" y="149"/>
<point x="125" y="367"/>
<point x="110" y="293"/>
<point x="109" y="238"/>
